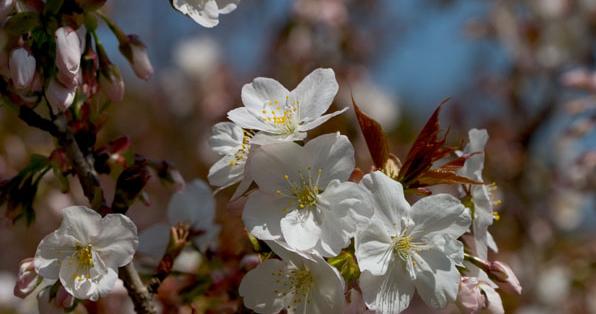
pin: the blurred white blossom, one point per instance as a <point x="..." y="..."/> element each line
<point x="205" y="12"/>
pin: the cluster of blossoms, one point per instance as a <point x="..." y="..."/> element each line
<point x="311" y="209"/>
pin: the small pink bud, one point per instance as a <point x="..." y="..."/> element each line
<point x="68" y="55"/>
<point x="136" y="53"/>
<point x="63" y="299"/>
<point x="112" y="84"/>
<point x="22" y="68"/>
<point x="59" y="96"/>
<point x="504" y="277"/>
<point x="470" y="299"/>
<point x="27" y="280"/>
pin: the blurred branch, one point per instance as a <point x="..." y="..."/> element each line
<point x="179" y="236"/>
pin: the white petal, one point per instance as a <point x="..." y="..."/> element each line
<point x="264" y="138"/>
<point x="227" y="6"/>
<point x="117" y="241"/>
<point x="262" y="214"/>
<point x="328" y="293"/>
<point x="205" y="13"/>
<point x="248" y="119"/>
<point x="259" y="286"/>
<point x="387" y="294"/>
<point x="320" y="120"/>
<point x="437" y="278"/>
<point x="262" y="90"/>
<point x="81" y="222"/>
<point x="193" y="205"/>
<point x="495" y="304"/>
<point x="300" y="230"/>
<point x="153" y="242"/>
<point x="315" y="93"/>
<point x="226" y="172"/>
<point x="52" y="249"/>
<point x="440" y="213"/>
<point x="106" y="283"/>
<point x="474" y="165"/>
<point x="80" y="281"/>
<point x="226" y="138"/>
<point x="344" y="209"/>
<point x="373" y="248"/>
<point x="389" y="203"/>
<point x="333" y="154"/>
<point x="208" y="239"/>
<point x="270" y="163"/>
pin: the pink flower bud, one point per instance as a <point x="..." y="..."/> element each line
<point x="504" y="277"/>
<point x="6" y="8"/>
<point x="470" y="299"/>
<point x="68" y="55"/>
<point x="22" y="68"/>
<point x="59" y="96"/>
<point x="27" y="280"/>
<point x="63" y="299"/>
<point x="136" y="53"/>
<point x="112" y="84"/>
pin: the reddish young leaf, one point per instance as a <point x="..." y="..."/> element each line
<point x="374" y="136"/>
<point x="441" y="176"/>
<point x="427" y="148"/>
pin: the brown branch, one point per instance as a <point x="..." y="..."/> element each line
<point x="138" y="293"/>
<point x="179" y="236"/>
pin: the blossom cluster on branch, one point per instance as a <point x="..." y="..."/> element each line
<point x="322" y="227"/>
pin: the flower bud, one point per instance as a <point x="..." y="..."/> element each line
<point x="112" y="84"/>
<point x="504" y="277"/>
<point x="63" y="299"/>
<point x="470" y="299"/>
<point x="6" y="8"/>
<point x="68" y="55"/>
<point x="22" y="68"/>
<point x="136" y="53"/>
<point x="59" y="96"/>
<point x="27" y="280"/>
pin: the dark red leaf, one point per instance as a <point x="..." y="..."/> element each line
<point x="427" y="148"/>
<point x="374" y="136"/>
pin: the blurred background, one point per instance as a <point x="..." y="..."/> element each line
<point x="522" y="69"/>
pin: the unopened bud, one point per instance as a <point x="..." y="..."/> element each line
<point x="68" y="55"/>
<point x="469" y="298"/>
<point x="22" y="68"/>
<point x="504" y="277"/>
<point x="63" y="299"/>
<point x="59" y="96"/>
<point x="111" y="83"/>
<point x="27" y="280"/>
<point x="136" y="52"/>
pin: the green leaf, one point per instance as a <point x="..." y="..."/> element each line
<point x="22" y="23"/>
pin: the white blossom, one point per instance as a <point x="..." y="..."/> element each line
<point x="298" y="283"/>
<point x="233" y="144"/>
<point x="303" y="198"/>
<point x="85" y="252"/>
<point x="194" y="206"/>
<point x="280" y="115"/>
<point x="482" y="200"/>
<point x="409" y="248"/>
<point x="205" y="12"/>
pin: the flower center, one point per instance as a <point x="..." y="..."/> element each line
<point x="242" y="152"/>
<point x="402" y="246"/>
<point x="296" y="283"/>
<point x="84" y="255"/>
<point x="305" y="190"/>
<point x="283" y="117"/>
